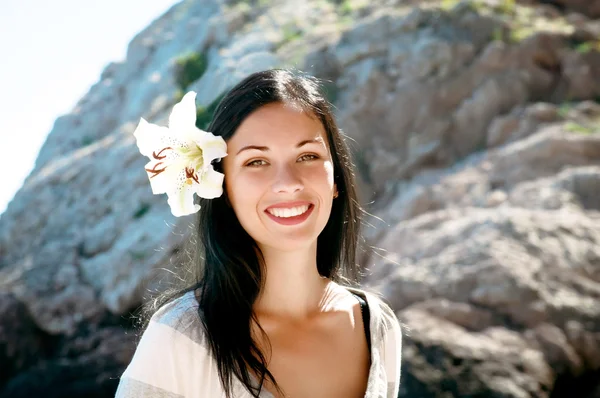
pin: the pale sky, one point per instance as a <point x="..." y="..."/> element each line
<point x="52" y="52"/>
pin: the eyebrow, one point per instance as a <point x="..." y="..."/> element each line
<point x="317" y="140"/>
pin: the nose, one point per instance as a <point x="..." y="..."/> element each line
<point x="287" y="180"/>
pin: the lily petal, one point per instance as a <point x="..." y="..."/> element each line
<point x="183" y="115"/>
<point x="165" y="181"/>
<point x="211" y="184"/>
<point x="149" y="137"/>
<point x="152" y="139"/>
<point x="213" y="147"/>
<point x="181" y="200"/>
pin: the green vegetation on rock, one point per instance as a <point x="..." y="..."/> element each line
<point x="291" y="32"/>
<point x="137" y="255"/>
<point x="85" y="141"/>
<point x="345" y="8"/>
<point x="564" y="109"/>
<point x="588" y="46"/>
<point x="505" y="7"/>
<point x="521" y="20"/>
<point x="142" y="209"/>
<point x="331" y="91"/>
<point x="205" y="115"/>
<point x="592" y="127"/>
<point x="349" y="7"/>
<point x="189" y="68"/>
<point x="585" y="126"/>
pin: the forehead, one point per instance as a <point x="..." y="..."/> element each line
<point x="277" y="124"/>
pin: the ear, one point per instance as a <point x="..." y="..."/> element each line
<point x="335" y="191"/>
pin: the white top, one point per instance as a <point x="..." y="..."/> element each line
<point x="172" y="359"/>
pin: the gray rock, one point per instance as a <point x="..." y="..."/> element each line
<point x="478" y="158"/>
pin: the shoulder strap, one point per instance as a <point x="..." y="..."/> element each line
<point x="364" y="308"/>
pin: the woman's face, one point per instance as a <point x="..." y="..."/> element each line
<point x="279" y="176"/>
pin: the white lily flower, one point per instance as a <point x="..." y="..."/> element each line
<point x="180" y="158"/>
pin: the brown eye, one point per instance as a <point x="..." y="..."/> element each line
<point x="255" y="163"/>
<point x="308" y="156"/>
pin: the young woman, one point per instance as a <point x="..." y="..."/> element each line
<point x="273" y="312"/>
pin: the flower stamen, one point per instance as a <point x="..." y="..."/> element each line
<point x="156" y="171"/>
<point x="158" y="156"/>
<point x="190" y="174"/>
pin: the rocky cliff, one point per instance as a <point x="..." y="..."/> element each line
<point x="476" y="132"/>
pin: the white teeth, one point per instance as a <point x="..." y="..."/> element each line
<point x="291" y="212"/>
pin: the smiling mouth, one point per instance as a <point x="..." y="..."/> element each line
<point x="289" y="212"/>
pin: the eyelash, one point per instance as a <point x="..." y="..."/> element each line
<point x="250" y="164"/>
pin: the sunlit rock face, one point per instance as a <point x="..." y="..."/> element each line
<point x="475" y="130"/>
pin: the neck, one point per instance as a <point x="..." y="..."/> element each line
<point x="293" y="289"/>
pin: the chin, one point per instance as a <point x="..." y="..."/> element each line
<point x="290" y="244"/>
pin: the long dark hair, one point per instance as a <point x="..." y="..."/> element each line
<point x="226" y="265"/>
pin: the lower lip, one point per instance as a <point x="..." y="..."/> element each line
<point x="292" y="220"/>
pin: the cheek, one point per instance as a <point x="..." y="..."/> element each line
<point x="244" y="192"/>
<point x="321" y="178"/>
<point x="317" y="177"/>
<point x="329" y="172"/>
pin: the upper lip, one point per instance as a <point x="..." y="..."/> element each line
<point x="289" y="205"/>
